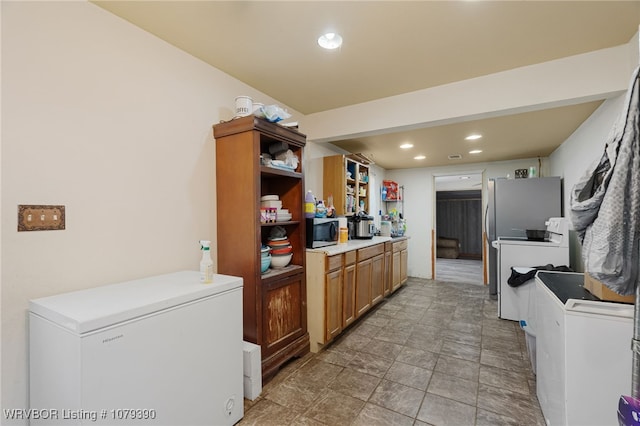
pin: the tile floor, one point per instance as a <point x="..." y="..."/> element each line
<point x="434" y="353"/>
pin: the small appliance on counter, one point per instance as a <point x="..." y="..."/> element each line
<point x="322" y="232"/>
<point x="362" y="226"/>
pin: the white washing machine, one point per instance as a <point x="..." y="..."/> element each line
<point x="523" y="253"/>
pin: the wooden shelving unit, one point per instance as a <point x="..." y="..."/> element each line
<point x="274" y="303"/>
<point x="346" y="178"/>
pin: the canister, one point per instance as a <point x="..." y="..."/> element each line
<point x="385" y="228"/>
<point x="244" y="106"/>
<point x="343" y="236"/>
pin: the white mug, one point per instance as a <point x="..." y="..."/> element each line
<point x="244" y="106"/>
<point x="257" y="106"/>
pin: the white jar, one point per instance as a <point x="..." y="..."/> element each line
<point x="244" y="106"/>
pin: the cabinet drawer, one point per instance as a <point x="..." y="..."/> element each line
<point x="334" y="262"/>
<point x="369" y="252"/>
<point x="400" y="245"/>
<point x="350" y="257"/>
<point x="388" y="246"/>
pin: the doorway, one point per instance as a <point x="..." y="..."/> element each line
<point x="457" y="228"/>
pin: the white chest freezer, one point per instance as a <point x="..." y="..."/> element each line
<point x="583" y="352"/>
<point x="164" y="350"/>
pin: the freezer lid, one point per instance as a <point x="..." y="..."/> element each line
<point x="608" y="309"/>
<point x="95" y="308"/>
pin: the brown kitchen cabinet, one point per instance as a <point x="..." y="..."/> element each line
<point x="325" y="294"/>
<point x="274" y="303"/>
<point x="369" y="277"/>
<point x="349" y="289"/>
<point x="399" y="263"/>
<point x="363" y="286"/>
<point x="388" y="252"/>
<point x="343" y="287"/>
<point x="333" y="293"/>
<point x="377" y="279"/>
<point x="346" y="179"/>
<point x="404" y="260"/>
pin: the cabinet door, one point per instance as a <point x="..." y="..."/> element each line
<point x="333" y="297"/>
<point x="387" y="271"/>
<point x="334" y="182"/>
<point x="363" y="286"/>
<point x="395" y="271"/>
<point x="377" y="279"/>
<point x="404" y="260"/>
<point x="349" y="295"/>
<point x="284" y="317"/>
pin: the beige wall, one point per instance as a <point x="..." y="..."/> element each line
<point x="586" y="145"/>
<point x="116" y="125"/>
<point x="419" y="204"/>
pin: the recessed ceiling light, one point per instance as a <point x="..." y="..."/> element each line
<point x="330" y="41"/>
<point x="475" y="151"/>
<point x="473" y="137"/>
<point x="454" y="157"/>
<point x="406" y="145"/>
<point x="465" y="177"/>
<point x="419" y="157"/>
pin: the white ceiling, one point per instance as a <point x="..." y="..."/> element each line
<point x="390" y="48"/>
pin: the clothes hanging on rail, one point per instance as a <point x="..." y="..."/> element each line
<point x="605" y="203"/>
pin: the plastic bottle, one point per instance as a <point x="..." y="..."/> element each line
<point x="206" y="264"/>
<point x="309" y="205"/>
<point x="321" y="210"/>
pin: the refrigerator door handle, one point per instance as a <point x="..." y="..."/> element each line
<point x="486" y="223"/>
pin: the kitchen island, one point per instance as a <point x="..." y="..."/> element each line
<point x="345" y="281"/>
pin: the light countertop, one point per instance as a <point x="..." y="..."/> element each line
<point x="354" y="245"/>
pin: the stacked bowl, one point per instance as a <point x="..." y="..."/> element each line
<point x="283" y="215"/>
<point x="281" y="252"/>
<point x="270" y="201"/>
<point x="265" y="258"/>
<point x="273" y="201"/>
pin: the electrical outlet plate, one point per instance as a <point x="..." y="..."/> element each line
<point x="40" y="218"/>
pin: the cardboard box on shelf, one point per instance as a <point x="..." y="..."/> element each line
<point x="601" y="291"/>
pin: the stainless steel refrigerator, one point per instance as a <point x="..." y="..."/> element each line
<point x="515" y="205"/>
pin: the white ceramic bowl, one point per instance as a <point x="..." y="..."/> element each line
<point x="269" y="198"/>
<point x="282" y="211"/>
<point x="265" y="261"/>
<point x="280" y="261"/>
<point x="283" y="218"/>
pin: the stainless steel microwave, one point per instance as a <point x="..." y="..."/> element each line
<point x="322" y="232"/>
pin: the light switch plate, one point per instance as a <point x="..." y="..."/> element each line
<point x="40" y="218"/>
